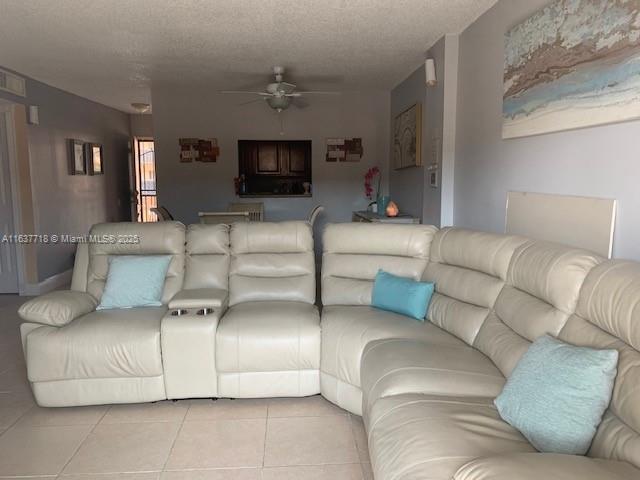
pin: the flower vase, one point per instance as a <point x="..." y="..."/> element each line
<point x="382" y="202"/>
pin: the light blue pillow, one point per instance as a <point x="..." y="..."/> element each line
<point x="557" y="394"/>
<point x="135" y="281"/>
<point x="401" y="295"/>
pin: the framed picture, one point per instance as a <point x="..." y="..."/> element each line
<point x="94" y="158"/>
<point x="77" y="164"/>
<point x="407" y="138"/>
<point x="572" y="65"/>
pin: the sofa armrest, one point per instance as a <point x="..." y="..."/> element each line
<point x="215" y="298"/>
<point x="533" y="466"/>
<point x="57" y="308"/>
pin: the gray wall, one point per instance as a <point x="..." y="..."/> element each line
<point x="71" y="204"/>
<point x="432" y="201"/>
<point x="409" y="187"/>
<point x="186" y="188"/>
<point x="600" y="161"/>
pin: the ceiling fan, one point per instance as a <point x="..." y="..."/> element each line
<point x="280" y="94"/>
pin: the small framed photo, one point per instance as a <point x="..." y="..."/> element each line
<point x="77" y="164"/>
<point x="94" y="158"/>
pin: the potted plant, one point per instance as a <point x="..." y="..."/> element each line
<point x="372" y="176"/>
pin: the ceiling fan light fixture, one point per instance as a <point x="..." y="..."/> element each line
<point x="279" y="103"/>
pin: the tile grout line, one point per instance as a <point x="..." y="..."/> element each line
<point x="75" y="452"/>
<point x="264" y="446"/>
<point x="17" y="419"/>
<point x="173" y="444"/>
<point x="355" y="439"/>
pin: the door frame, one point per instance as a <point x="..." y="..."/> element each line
<point x="133" y="173"/>
<point x="7" y="110"/>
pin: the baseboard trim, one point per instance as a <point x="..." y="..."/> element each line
<point x="47" y="285"/>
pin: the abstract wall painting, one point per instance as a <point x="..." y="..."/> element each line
<point x="407" y="138"/>
<point x="574" y="64"/>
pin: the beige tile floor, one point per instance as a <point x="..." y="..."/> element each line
<point x="271" y="439"/>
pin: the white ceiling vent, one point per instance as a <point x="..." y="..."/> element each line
<point x="12" y="83"/>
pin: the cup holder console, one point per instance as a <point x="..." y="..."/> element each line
<point x="178" y="312"/>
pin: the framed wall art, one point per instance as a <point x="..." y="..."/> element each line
<point x="407" y="138"/>
<point x="77" y="163"/>
<point x="574" y="64"/>
<point x="94" y="158"/>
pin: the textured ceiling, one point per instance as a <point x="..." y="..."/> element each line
<point x="111" y="51"/>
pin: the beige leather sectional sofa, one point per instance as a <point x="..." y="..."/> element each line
<point x="425" y="390"/>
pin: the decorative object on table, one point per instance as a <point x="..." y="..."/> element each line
<point x="200" y="150"/>
<point x="344" y="149"/>
<point x="407" y="138"/>
<point x="574" y="64"/>
<point x="93" y="155"/>
<point x="77" y="163"/>
<point x="382" y="203"/>
<point x="306" y="187"/>
<point x="373" y="174"/>
<point x="392" y="209"/>
<point x="240" y="184"/>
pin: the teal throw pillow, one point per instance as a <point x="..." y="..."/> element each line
<point x="557" y="394"/>
<point x="401" y="295"/>
<point x="135" y="281"/>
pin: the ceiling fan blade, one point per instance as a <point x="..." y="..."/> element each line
<point x="316" y="92"/>
<point x="288" y="87"/>
<point x="320" y="92"/>
<point x="299" y="103"/>
<point x="251" y="101"/>
<point x="245" y="92"/>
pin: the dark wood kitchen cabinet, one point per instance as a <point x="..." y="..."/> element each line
<point x="274" y="167"/>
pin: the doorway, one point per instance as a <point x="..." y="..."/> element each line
<point x="145" y="180"/>
<point x="9" y="281"/>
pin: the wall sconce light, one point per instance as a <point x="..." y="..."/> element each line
<point x="430" y="72"/>
<point x="34" y="115"/>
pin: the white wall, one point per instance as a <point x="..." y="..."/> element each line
<point x="599" y="162"/>
<point x="186" y="188"/>
<point x="141" y="125"/>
